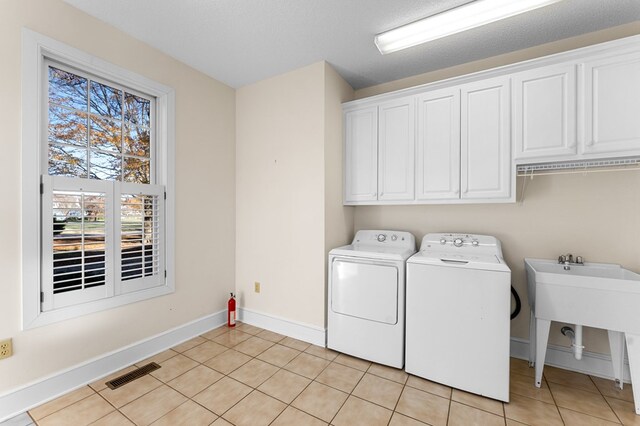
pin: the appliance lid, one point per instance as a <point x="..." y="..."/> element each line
<point x="448" y="258"/>
<point x="370" y="251"/>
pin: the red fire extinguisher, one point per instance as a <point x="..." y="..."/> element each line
<point x="231" y="315"/>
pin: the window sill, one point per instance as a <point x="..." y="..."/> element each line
<point x="62" y="314"/>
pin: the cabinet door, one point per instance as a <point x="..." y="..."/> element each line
<point x="612" y="104"/>
<point x="438" y="145"/>
<point x="545" y="112"/>
<point x="396" y="144"/>
<point x="361" y="155"/>
<point x="485" y="139"/>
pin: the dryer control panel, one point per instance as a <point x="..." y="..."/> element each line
<point x="399" y="239"/>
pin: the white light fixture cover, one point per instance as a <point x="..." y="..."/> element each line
<point x="465" y="17"/>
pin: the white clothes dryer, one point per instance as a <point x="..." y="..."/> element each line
<point x="365" y="312"/>
<point x="458" y="314"/>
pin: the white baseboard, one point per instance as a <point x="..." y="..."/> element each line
<point x="305" y="332"/>
<point x="592" y="363"/>
<point x="24" y="398"/>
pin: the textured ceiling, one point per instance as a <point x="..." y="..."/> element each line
<point x="240" y="42"/>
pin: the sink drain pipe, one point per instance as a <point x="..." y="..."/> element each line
<point x="576" y="339"/>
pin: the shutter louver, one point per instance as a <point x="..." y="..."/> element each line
<point x="141" y="255"/>
<point x="79" y="240"/>
<point x="139" y="237"/>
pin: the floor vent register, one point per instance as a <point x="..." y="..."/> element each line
<point x="131" y="376"/>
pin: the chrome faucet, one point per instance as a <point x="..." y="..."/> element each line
<point x="567" y="260"/>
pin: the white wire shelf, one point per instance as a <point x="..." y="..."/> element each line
<point x="585" y="166"/>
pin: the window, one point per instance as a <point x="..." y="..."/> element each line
<point x="98" y="142"/>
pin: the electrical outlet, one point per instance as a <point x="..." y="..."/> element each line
<point x="6" y="348"/>
<point x="256" y="287"/>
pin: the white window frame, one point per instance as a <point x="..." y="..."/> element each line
<point x="36" y="49"/>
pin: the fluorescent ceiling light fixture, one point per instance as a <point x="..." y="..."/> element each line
<point x="465" y="17"/>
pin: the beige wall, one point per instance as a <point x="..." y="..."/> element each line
<point x="205" y="194"/>
<point x="338" y="221"/>
<point x="279" y="195"/>
<point x="594" y="215"/>
<point x="286" y="125"/>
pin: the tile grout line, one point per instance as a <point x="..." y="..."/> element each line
<point x="350" y="393"/>
<point x="104" y="399"/>
<point x="449" y="406"/>
<point x="599" y="392"/>
<point x="397" y="402"/>
<point x="318" y="375"/>
<point x="166" y="383"/>
<point x="279" y="368"/>
<point x="302" y="391"/>
<point x="62" y="408"/>
<point x="555" y="403"/>
<point x="504" y="410"/>
<point x="605" y="400"/>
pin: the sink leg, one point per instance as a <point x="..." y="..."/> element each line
<point x="542" y="337"/>
<point x="532" y="339"/>
<point x="633" y="347"/>
<point x="616" y="344"/>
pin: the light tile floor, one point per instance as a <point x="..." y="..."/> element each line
<point x="250" y="376"/>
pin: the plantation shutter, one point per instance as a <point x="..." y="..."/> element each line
<point x="140" y="239"/>
<point x="77" y="224"/>
<point x="99" y="239"/>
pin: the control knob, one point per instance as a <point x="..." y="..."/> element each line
<point x="458" y="242"/>
<point x="382" y="238"/>
<point x="475" y="243"/>
<point x="443" y="241"/>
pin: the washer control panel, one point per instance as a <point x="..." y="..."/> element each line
<point x="457" y="240"/>
<point x="461" y="247"/>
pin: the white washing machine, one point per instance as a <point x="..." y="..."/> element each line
<point x="458" y="314"/>
<point x="365" y="313"/>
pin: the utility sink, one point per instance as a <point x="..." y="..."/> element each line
<point x="597" y="295"/>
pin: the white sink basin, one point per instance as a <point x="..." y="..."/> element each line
<point x="591" y="270"/>
<point x="597" y="295"/>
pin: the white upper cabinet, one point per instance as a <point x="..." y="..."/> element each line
<point x="361" y="155"/>
<point x="485" y="139"/>
<point x="396" y="144"/>
<point x="461" y="140"/>
<point x="612" y="104"/>
<point x="438" y="145"/>
<point x="544" y="107"/>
